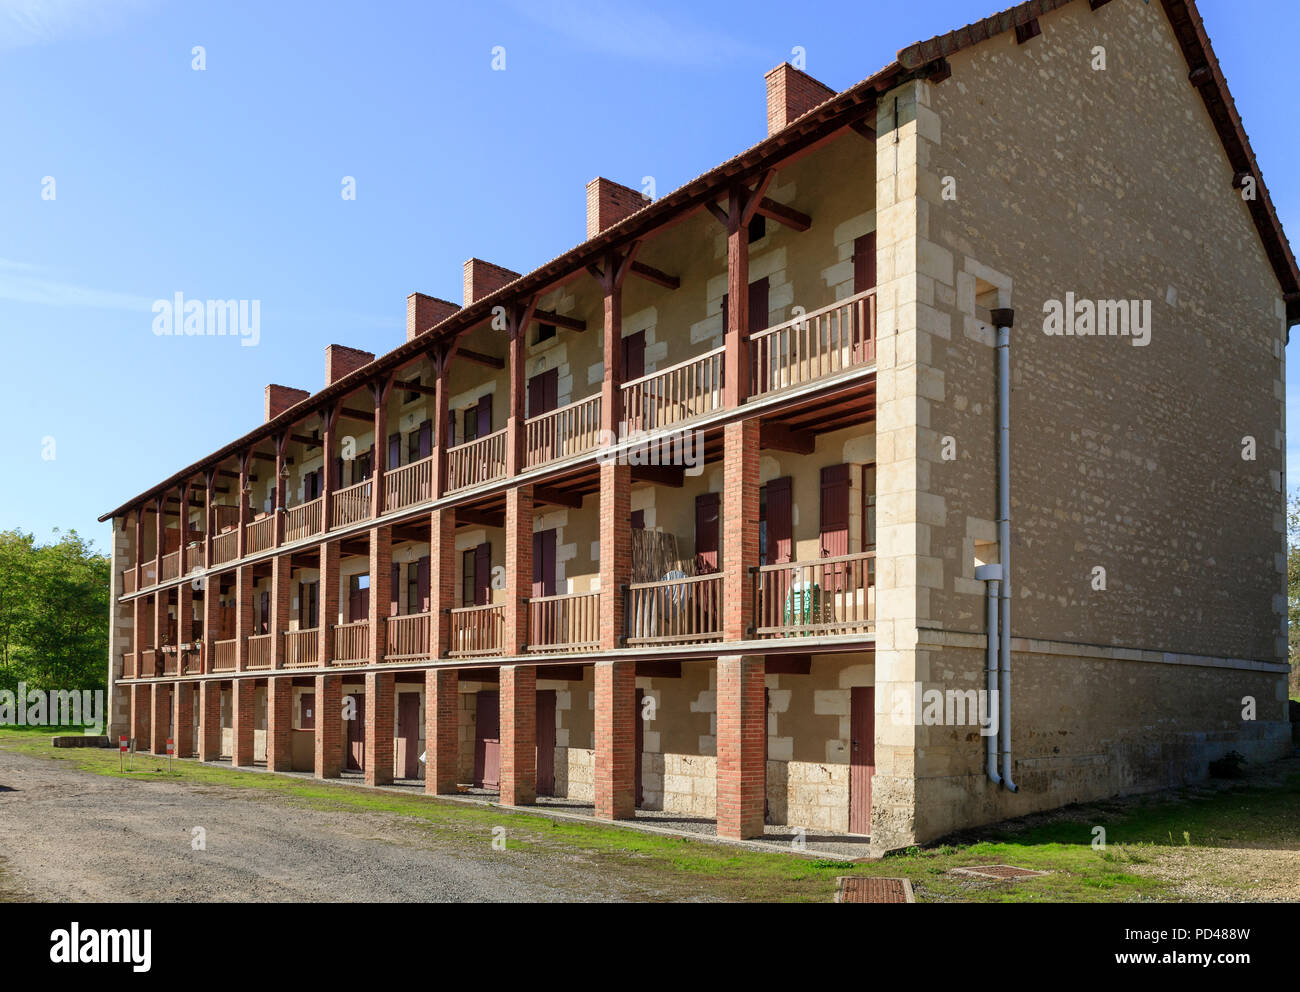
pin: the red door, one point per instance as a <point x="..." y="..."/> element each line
<point x="862" y="757"/>
<point x="357" y="736"/>
<point x="546" y="742"/>
<point x="487" y="741"/>
<point x="408" y="734"/>
<point x="639" y="744"/>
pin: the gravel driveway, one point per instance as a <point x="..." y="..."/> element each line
<point x="69" y="835"/>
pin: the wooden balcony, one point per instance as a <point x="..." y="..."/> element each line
<point x="128" y="581"/>
<point x="562" y="433"/>
<point x="192" y="661"/>
<point x="814" y="345"/>
<point x="675" y="611"/>
<point x="303" y="521"/>
<point x="170" y="661"/>
<point x="261" y="535"/>
<point x="662" y="399"/>
<point x="225" y="547"/>
<point x="302" y="648"/>
<point x="259" y="652"/>
<point x="822" y="597"/>
<point x="171" y="566"/>
<point x="477" y="462"/>
<point x="409" y="484"/>
<point x="223" y="656"/>
<point x="564" y="623"/>
<point x="477" y="631"/>
<point x="352" y="643"/>
<point x="351" y="505"/>
<point x="148" y="663"/>
<point x="224" y="517"/>
<point x="407" y="638"/>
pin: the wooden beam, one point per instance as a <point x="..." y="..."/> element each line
<point x="563" y="673"/>
<point x="778" y="437"/>
<point x="264" y="456"/>
<point x="480" y="518"/>
<point x="779" y="212"/>
<point x="660" y="475"/>
<point x="719" y="214"/>
<point x="863" y="129"/>
<point x="416" y="387"/>
<point x="569" y="323"/>
<point x="311" y="442"/>
<point x="651" y="274"/>
<point x="659" y="669"/>
<point x="788" y="664"/>
<point x="557" y="497"/>
<point x="478" y="358"/>
<point x="756" y="196"/>
<point x="368" y="416"/>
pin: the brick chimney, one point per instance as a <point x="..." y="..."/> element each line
<point x="609" y="202"/>
<point x="280" y="398"/>
<point x="422" y="312"/>
<point x="340" y="360"/>
<point x="791" y="93"/>
<point x="483" y="278"/>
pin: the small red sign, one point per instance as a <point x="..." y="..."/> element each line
<point x="171" y="746"/>
<point x="122" y="744"/>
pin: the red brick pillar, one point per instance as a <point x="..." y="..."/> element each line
<point x="742" y="731"/>
<point x="184" y="626"/>
<point x="441" y="729"/>
<point x="160" y="717"/>
<point x="281" y="588"/>
<point x="243" y="614"/>
<point x="329" y="603"/>
<point x="243" y="711"/>
<point x="616" y="718"/>
<point x="183" y="706"/>
<point x="329" y="725"/>
<point x="615" y="549"/>
<point x="380" y="714"/>
<point x="442" y="579"/>
<point x="739" y="526"/>
<point x="381" y="590"/>
<point x="141" y="712"/>
<point x="518" y="735"/>
<point x="139" y="634"/>
<point x="159" y="630"/>
<point x="211" y="621"/>
<point x="279" y="723"/>
<point x="519" y="567"/>
<point x="209" y="721"/>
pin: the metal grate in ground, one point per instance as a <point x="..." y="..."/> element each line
<point x="857" y="888"/>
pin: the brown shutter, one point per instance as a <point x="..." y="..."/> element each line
<point x="780" y="545"/>
<point x="394" y="450"/>
<point x="422" y="583"/>
<point x="543" y="392"/>
<point x="485" y="415"/>
<point x="706" y="533"/>
<point x="634" y="356"/>
<point x="638" y="519"/>
<point x="354" y="599"/>
<point x="483" y="574"/>
<point x="864" y="263"/>
<point x="426" y="439"/>
<point x="835" y="511"/>
<point x="266" y="612"/>
<point x="395" y="594"/>
<point x="544" y="563"/>
<point x="758" y="305"/>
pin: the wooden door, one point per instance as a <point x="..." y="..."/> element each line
<point x="639" y="744"/>
<point x="706" y="533"/>
<point x="487" y="740"/>
<point x="862" y="757"/>
<point x="408" y="734"/>
<point x="546" y="742"/>
<point x="864" y="278"/>
<point x="357" y="736"/>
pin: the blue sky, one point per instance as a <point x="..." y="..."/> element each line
<point x="225" y="183"/>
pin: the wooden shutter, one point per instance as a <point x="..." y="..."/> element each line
<point x="864" y="263"/>
<point x="634" y="356"/>
<point x="395" y="592"/>
<point x="394" y="450"/>
<point x="485" y="415"/>
<point x="266" y="612"/>
<point x="356" y="611"/>
<point x="467" y="584"/>
<point x="422" y="583"/>
<point x="780" y="545"/>
<point x="543" y="392"/>
<point x="706" y="533"/>
<point x="835" y="511"/>
<point x="638" y="519"/>
<point x="426" y="439"/>
<point x="758" y="305"/>
<point x="544" y="563"/>
<point x="483" y="574"/>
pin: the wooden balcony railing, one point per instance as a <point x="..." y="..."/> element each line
<point x="225" y="547"/>
<point x="814" y="345"/>
<point x="477" y="631"/>
<point x="225" y="516"/>
<point x="259" y="652"/>
<point x="822" y="597"/>
<point x="409" y="484"/>
<point x="688" y="389"/>
<point x="352" y="643"/>
<point x="350" y="505"/>
<point x="128" y="665"/>
<point x="564" y="623"/>
<point x="302" y="648"/>
<point x="149" y="574"/>
<point x="261" y="535"/>
<point x="408" y="638"/>
<point x="128" y="581"/>
<point x="192" y="661"/>
<point x="302" y="520"/>
<point x="675" y="611"/>
<point x="223" y="656"/>
<point x="148" y="663"/>
<point x="570" y="430"/>
<point x="170" y="662"/>
<point x="171" y="566"/>
<point x="476" y="462"/>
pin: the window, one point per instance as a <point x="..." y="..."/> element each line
<point x="545" y="332"/>
<point x="476" y="576"/>
<point x="413" y="588"/>
<point x="868" y="507"/>
<point x="411" y="397"/>
<point x="757" y="227"/>
<point x="358" y="597"/>
<point x="308" y="605"/>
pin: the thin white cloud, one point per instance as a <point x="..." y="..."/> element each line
<point x="635" y="31"/>
<point x="41" y="22"/>
<point x="23" y="283"/>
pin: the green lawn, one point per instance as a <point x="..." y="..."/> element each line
<point x="1157" y="845"/>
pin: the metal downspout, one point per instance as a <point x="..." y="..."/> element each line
<point x="1004" y="318"/>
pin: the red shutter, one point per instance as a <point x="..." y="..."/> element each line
<point x="758" y="305"/>
<point x="394" y="592"/>
<point x="780" y="546"/>
<point x="835" y="511"/>
<point x="394" y="450"/>
<point x="422" y="581"/>
<point x="354" y="601"/>
<point x="706" y="533"/>
<point x="483" y="574"/>
<point x="426" y="439"/>
<point x="544" y="563"/>
<point x="485" y="415"/>
<point x="543" y="392"/>
<point x="864" y="263"/>
<point x="634" y="356"/>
